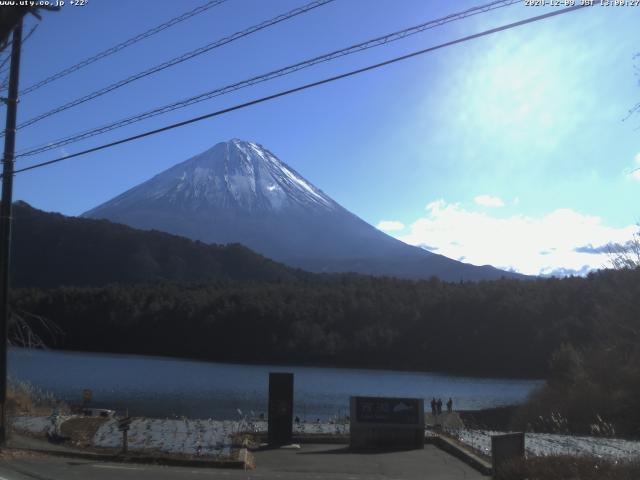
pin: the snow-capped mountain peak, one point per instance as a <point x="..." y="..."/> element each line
<point x="238" y="174"/>
<point x="239" y="191"/>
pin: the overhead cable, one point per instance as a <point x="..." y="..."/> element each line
<point x="5" y="82"/>
<point x="175" y="61"/>
<point x="305" y="87"/>
<point x="122" y="45"/>
<point x="391" y="37"/>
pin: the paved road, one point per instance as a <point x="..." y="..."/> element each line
<point x="311" y="462"/>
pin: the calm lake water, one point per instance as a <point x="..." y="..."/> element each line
<point x="166" y="387"/>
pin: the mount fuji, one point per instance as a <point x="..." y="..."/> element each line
<point x="239" y="192"/>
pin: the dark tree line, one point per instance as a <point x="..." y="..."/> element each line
<point x="505" y="328"/>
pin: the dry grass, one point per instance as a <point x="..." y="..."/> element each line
<point x="8" y="454"/>
<point x="22" y="403"/>
<point x="24" y="399"/>
<point x="81" y="430"/>
<point x="565" y="467"/>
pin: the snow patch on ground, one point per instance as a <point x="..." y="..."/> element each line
<point x="539" y="444"/>
<point x="38" y="425"/>
<point x="185" y="436"/>
<point x="210" y="437"/>
<point x="206" y="437"/>
<point x="304" y="428"/>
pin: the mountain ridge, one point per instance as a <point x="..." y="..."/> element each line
<point x="51" y="250"/>
<point x="240" y="192"/>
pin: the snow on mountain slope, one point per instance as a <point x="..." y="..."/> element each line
<point x="235" y="174"/>
<point x="239" y="192"/>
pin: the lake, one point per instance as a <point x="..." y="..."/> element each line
<point x="168" y="387"/>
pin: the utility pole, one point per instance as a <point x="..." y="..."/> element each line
<point x="5" y="220"/>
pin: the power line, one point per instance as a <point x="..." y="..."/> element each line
<point x="5" y="82"/>
<point x="123" y="45"/>
<point x="269" y="76"/>
<point x="305" y="87"/>
<point x="175" y="61"/>
<point x="3" y="63"/>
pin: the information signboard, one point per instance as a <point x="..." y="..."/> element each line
<point x="387" y="410"/>
<point x="387" y="422"/>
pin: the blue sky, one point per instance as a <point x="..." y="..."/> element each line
<point x="508" y="150"/>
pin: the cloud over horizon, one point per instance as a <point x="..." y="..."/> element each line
<point x="390" y="225"/>
<point x="562" y="242"/>
<point x="488" y="201"/>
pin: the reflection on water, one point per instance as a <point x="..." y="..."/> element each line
<point x="163" y="387"/>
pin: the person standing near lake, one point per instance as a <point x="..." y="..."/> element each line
<point x="439" y="406"/>
<point x="449" y="405"/>
<point x="433" y="406"/>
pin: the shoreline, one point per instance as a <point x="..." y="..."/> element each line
<point x="453" y="373"/>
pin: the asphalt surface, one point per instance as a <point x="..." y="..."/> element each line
<point x="317" y="462"/>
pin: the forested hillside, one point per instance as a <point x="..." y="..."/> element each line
<point x="50" y="250"/>
<point x="505" y="327"/>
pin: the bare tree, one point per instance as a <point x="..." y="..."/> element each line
<point x="636" y="107"/>
<point x="22" y="330"/>
<point x="626" y="255"/>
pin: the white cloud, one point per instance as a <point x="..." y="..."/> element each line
<point x="635" y="173"/>
<point x="390" y="225"/>
<point x="560" y="242"/>
<point x="488" y="201"/>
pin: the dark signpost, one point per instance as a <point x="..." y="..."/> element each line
<point x="387" y="422"/>
<point x="123" y="426"/>
<point x="506" y="448"/>
<point x="280" y="409"/>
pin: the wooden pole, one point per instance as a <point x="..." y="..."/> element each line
<point x="5" y="220"/>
